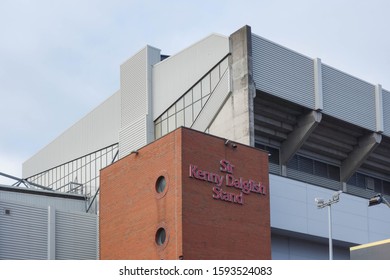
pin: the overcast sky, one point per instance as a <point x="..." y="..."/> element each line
<point x="60" y="59"/>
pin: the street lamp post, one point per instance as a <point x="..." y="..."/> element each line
<point x="321" y="204"/>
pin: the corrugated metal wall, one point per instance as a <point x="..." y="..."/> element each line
<point x="95" y="131"/>
<point x="24" y="233"/>
<point x="42" y="200"/>
<point x="348" y="98"/>
<point x="177" y="74"/>
<point x="283" y="72"/>
<point x="386" y="112"/>
<point x="132" y="137"/>
<point x="76" y="236"/>
<point x="291" y="76"/>
<point x="136" y="100"/>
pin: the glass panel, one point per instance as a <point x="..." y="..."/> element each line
<point x="293" y="163"/>
<point x="197" y="93"/>
<point x="188" y="116"/>
<point x="306" y="165"/>
<point x="164" y="115"/>
<point x="320" y="169"/>
<point x="204" y="100"/>
<point x="171" y="111"/>
<point x="214" y="78"/>
<point x="386" y="187"/>
<point x="180" y="118"/>
<point x="274" y="157"/>
<point x="334" y="172"/>
<point x="179" y="104"/>
<point x="378" y="185"/>
<point x="188" y="98"/>
<point x="223" y="66"/>
<point x="157" y="130"/>
<point x="164" y="127"/>
<point x="360" y="181"/>
<point x="206" y="85"/>
<point x="197" y="108"/>
<point x="352" y="180"/>
<point x="171" y="123"/>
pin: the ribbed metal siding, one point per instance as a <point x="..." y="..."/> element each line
<point x="177" y="74"/>
<point x="96" y="130"/>
<point x="134" y="88"/>
<point x="315" y="180"/>
<point x="283" y="72"/>
<point x="132" y="137"/>
<point x="386" y="112"/>
<point x="274" y="168"/>
<point x="360" y="191"/>
<point x="76" y="236"/>
<point x="43" y="201"/>
<point x="348" y="98"/>
<point x="23" y="233"/>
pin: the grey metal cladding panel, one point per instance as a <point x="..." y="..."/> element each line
<point x="386" y="112"/>
<point x="43" y="201"/>
<point x="274" y="168"/>
<point x="315" y="180"/>
<point x="132" y="137"/>
<point x="360" y="191"/>
<point x="23" y="233"/>
<point x="283" y="72"/>
<point x="76" y="236"/>
<point x="134" y="87"/>
<point x="348" y="98"/>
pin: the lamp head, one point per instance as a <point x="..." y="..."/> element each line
<point x="336" y="195"/>
<point x="375" y="200"/>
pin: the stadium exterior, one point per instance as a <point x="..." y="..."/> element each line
<point x="325" y="130"/>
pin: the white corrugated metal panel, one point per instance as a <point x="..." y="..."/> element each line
<point x="214" y="103"/>
<point x="348" y="98"/>
<point x="283" y="72"/>
<point x="95" y="131"/>
<point x="41" y="200"/>
<point x="175" y="75"/>
<point x="132" y="137"/>
<point x="23" y="232"/>
<point x="386" y="111"/>
<point x="76" y="236"/>
<point x="135" y="84"/>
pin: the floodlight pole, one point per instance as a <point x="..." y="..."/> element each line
<point x="321" y="204"/>
<point x="330" y="232"/>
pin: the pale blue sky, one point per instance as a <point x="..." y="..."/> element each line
<point x="60" y="59"/>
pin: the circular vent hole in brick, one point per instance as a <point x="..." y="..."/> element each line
<point x="161" y="236"/>
<point x="161" y="184"/>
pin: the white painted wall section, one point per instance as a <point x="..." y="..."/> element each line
<point x="293" y="208"/>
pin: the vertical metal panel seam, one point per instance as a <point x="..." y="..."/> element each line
<point x="379" y="108"/>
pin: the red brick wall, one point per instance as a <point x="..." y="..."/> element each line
<point x="131" y="210"/>
<point x="198" y="226"/>
<point x="215" y="229"/>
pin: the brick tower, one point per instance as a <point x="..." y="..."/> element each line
<point x="187" y="195"/>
